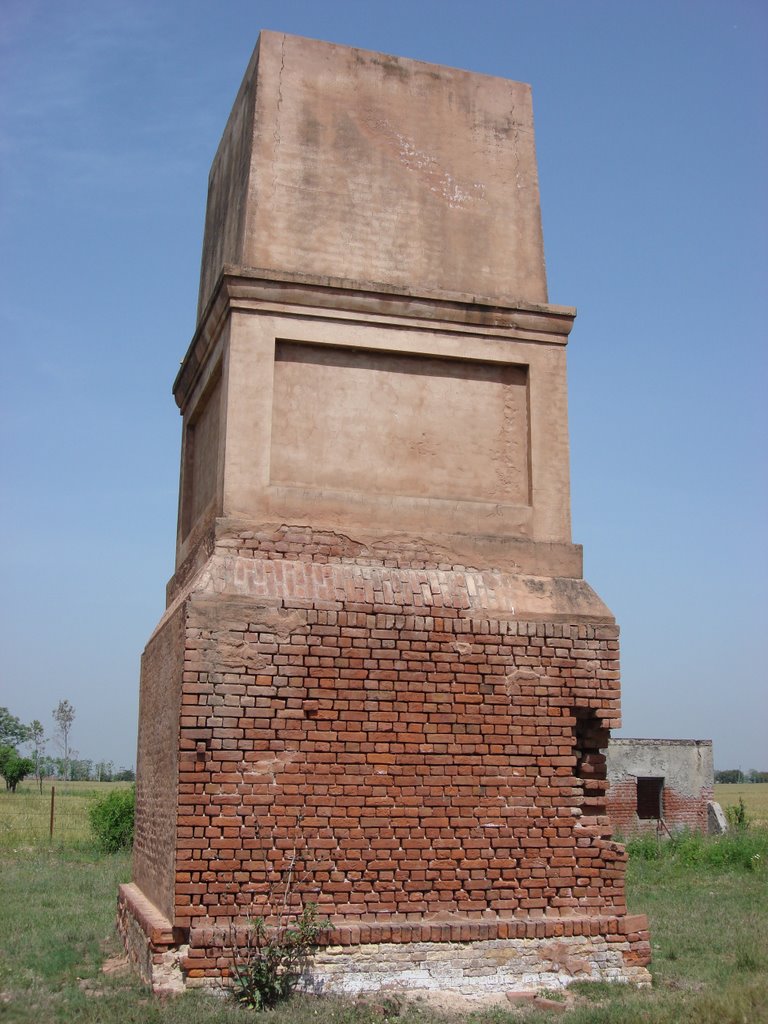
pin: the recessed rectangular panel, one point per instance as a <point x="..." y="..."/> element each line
<point x="201" y="457"/>
<point x="382" y="423"/>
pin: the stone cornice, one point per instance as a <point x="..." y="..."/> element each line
<point x="266" y="291"/>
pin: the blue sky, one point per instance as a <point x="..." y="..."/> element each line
<point x="652" y="146"/>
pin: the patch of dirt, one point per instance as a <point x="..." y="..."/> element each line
<point x="114" y="967"/>
<point x="458" y="1002"/>
<point x="452" y="1002"/>
<point x="684" y="985"/>
<point x="117" y="964"/>
<point x="90" y="987"/>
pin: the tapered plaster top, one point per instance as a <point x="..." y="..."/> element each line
<point x="347" y="163"/>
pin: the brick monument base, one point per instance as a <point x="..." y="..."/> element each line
<point x="435" y="759"/>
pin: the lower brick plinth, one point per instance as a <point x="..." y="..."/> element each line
<point x="150" y="941"/>
<point x="564" y="952"/>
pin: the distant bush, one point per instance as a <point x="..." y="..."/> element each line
<point x="737" y="815"/>
<point x="111" y="820"/>
<point x="14" y="768"/>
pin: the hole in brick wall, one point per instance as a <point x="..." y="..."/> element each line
<point x="311" y="708"/>
<point x="650" y="798"/>
<point x="591" y="742"/>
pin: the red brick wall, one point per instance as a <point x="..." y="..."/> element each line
<point x="427" y="760"/>
<point x="680" y="810"/>
<point x="157" y="763"/>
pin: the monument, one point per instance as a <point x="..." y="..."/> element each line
<point x="378" y="649"/>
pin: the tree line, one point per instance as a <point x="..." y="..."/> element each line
<point x="17" y="764"/>
<point x="737" y="775"/>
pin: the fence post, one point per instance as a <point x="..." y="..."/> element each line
<point x="53" y="796"/>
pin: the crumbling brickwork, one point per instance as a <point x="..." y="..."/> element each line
<point x="440" y="768"/>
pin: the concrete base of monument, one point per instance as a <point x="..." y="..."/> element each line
<point x="469" y="969"/>
<point x="473" y="968"/>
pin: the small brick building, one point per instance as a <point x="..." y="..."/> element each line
<point x="378" y="650"/>
<point x="659" y="786"/>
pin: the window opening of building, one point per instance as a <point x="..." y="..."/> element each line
<point x="650" y="798"/>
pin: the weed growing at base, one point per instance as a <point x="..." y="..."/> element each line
<point x="266" y="971"/>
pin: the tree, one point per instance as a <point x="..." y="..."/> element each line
<point x="37" y="739"/>
<point x="14" y="768"/>
<point x="12" y="730"/>
<point x="64" y="716"/>
<point x="80" y="769"/>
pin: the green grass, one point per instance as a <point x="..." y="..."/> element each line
<point x="746" y="850"/>
<point x="57" y="924"/>
<point x="706" y="900"/>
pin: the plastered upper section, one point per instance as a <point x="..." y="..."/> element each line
<point x="343" y="162"/>
<point x="685" y="765"/>
<point x="368" y="422"/>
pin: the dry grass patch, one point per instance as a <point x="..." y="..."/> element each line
<point x="754" y="795"/>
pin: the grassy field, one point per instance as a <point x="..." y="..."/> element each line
<point x="25" y="815"/>
<point x="754" y="795"/>
<point x="706" y="899"/>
